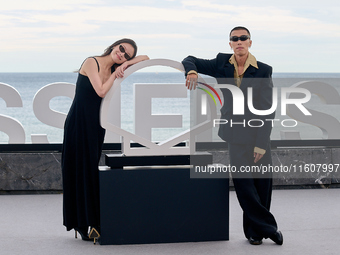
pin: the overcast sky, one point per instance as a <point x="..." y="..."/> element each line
<point x="56" y="36"/>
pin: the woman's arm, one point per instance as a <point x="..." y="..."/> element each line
<point x="120" y="69"/>
<point x="90" y="69"/>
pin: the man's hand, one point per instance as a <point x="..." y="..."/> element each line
<point x="191" y="81"/>
<point x="257" y="157"/>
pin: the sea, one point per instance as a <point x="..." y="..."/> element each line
<point x="28" y="84"/>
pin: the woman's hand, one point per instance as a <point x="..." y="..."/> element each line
<point x="120" y="70"/>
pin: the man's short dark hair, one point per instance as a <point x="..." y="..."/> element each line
<point x="239" y="28"/>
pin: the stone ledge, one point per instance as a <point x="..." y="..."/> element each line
<point x="296" y="159"/>
<point x="40" y="171"/>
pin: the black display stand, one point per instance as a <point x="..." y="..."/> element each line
<point x="161" y="204"/>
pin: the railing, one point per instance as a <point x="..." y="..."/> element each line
<point x="5" y="148"/>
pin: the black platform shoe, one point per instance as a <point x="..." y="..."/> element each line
<point x="277" y="237"/>
<point x="83" y="233"/>
<point x="255" y="241"/>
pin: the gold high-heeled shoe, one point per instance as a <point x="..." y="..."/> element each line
<point x="94" y="234"/>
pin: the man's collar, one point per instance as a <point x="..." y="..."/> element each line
<point x="251" y="60"/>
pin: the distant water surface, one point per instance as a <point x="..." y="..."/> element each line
<point x="27" y="84"/>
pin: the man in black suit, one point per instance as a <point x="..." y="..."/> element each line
<point x="247" y="135"/>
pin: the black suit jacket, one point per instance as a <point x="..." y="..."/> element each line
<point x="261" y="83"/>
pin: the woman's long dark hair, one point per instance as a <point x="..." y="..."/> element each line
<point x="109" y="49"/>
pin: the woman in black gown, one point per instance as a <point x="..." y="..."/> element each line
<point x="83" y="135"/>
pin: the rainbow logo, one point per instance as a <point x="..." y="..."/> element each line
<point x="209" y="93"/>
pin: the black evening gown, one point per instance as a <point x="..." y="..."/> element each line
<point x="82" y="146"/>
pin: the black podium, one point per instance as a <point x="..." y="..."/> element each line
<point x="157" y="204"/>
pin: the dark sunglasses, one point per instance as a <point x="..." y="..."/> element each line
<point x="242" y="38"/>
<point x="122" y="50"/>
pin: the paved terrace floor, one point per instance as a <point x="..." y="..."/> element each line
<point x="309" y="220"/>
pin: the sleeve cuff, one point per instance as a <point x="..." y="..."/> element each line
<point x="259" y="150"/>
<point x="192" y="72"/>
